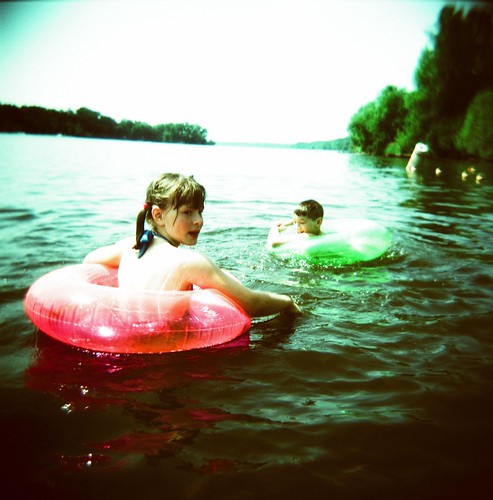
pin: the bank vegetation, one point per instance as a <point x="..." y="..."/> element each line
<point x="88" y="123"/>
<point x="451" y="109"/>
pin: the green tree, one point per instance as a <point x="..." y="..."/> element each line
<point x="361" y="128"/>
<point x="464" y="56"/>
<point x="450" y="75"/>
<point x="88" y="123"/>
<point x="476" y="134"/>
<point x="184" y="133"/>
<point x="377" y="124"/>
<point x="391" y="115"/>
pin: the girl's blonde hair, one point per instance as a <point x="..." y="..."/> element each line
<point x="169" y="191"/>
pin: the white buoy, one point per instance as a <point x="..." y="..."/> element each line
<point x="419" y="151"/>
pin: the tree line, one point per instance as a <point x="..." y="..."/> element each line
<point x="343" y="145"/>
<point x="451" y="109"/>
<point x="87" y="123"/>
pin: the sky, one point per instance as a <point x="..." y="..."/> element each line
<point x="269" y="71"/>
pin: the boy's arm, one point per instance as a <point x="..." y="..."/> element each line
<point x="275" y="238"/>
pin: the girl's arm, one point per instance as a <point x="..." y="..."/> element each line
<point x="255" y="303"/>
<point x="110" y="255"/>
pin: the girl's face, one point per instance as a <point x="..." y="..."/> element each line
<point x="182" y="225"/>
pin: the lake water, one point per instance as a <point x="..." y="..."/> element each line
<point x="382" y="389"/>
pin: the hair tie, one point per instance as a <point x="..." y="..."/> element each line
<point x="147" y="206"/>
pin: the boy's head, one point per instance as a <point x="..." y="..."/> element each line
<point x="308" y="218"/>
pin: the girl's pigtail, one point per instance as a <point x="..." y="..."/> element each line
<point x="140" y="226"/>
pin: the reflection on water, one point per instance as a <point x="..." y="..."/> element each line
<point x="86" y="382"/>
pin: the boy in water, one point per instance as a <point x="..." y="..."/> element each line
<point x="308" y="217"/>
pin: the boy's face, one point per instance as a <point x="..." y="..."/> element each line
<point x="306" y="225"/>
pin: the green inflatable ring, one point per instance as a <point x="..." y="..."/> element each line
<point x="344" y="241"/>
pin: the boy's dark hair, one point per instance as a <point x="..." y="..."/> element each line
<point x="309" y="208"/>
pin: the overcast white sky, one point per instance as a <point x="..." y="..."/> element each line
<point x="279" y="71"/>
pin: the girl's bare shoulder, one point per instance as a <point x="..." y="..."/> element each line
<point x="125" y="243"/>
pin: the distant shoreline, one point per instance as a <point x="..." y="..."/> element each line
<point x="88" y="123"/>
<point x="333" y="145"/>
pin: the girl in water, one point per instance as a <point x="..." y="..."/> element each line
<point x="155" y="261"/>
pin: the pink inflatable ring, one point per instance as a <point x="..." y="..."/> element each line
<point x="82" y="306"/>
